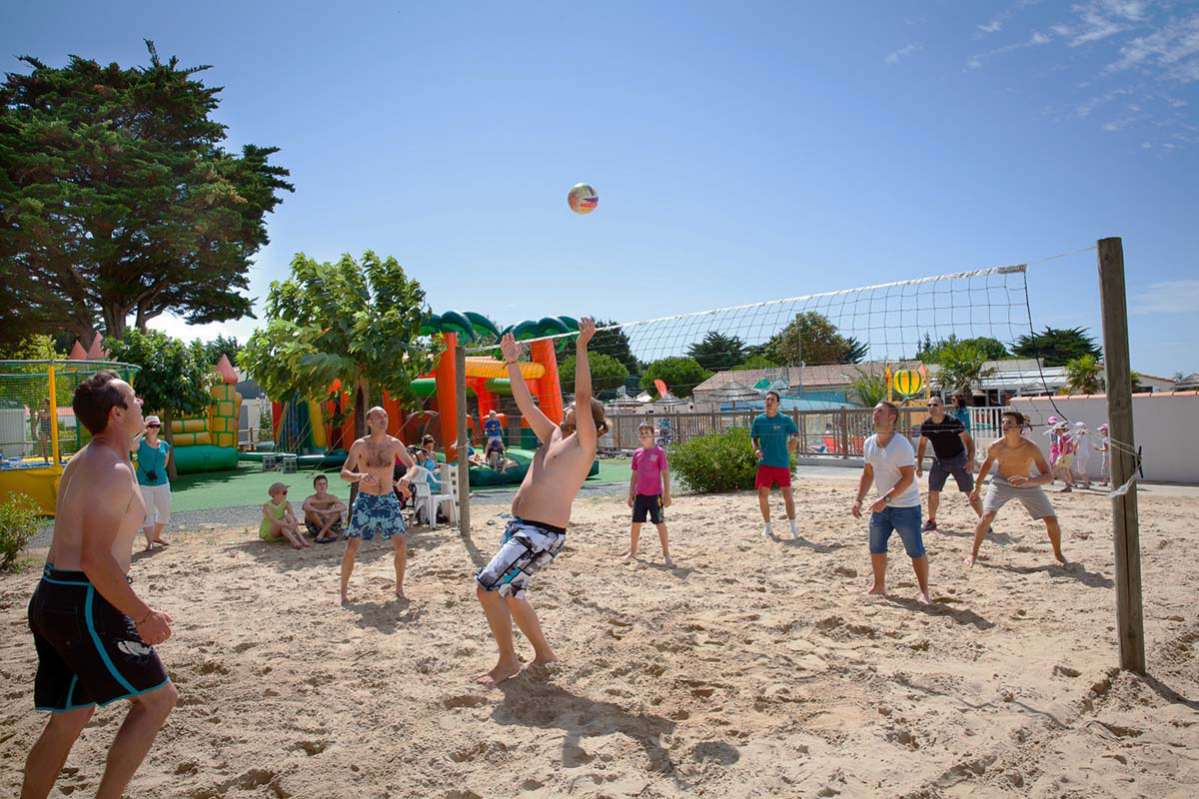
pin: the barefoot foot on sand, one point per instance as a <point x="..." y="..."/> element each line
<point x="924" y="599"/>
<point x="877" y="590"/>
<point x="502" y="671"/>
<point x="969" y="560"/>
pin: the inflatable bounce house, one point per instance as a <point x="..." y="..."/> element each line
<point x="320" y="431"/>
<point x="208" y="443"/>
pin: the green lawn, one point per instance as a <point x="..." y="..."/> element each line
<point x="248" y="485"/>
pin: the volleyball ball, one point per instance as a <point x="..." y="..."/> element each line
<point x="582" y="199"/>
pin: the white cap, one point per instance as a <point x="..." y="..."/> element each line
<point x="153" y="420"/>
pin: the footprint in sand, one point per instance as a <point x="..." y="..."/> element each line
<point x="463" y="700"/>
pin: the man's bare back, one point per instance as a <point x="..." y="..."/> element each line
<point x="555" y="475"/>
<point x="77" y="497"/>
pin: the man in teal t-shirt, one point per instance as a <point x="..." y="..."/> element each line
<point x="774" y="437"/>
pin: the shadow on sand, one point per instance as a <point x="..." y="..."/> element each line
<point x="531" y="703"/>
<point x="1074" y="570"/>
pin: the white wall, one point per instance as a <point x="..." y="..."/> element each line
<point x="1166" y="427"/>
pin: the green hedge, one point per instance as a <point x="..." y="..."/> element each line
<point x="716" y="462"/>
<point x="19" y="520"/>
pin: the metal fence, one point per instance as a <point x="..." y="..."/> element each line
<point x="836" y="434"/>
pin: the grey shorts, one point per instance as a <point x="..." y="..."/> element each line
<point x="1001" y="492"/>
<point x="942" y="469"/>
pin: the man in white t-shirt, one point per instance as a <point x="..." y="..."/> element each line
<point x="891" y="464"/>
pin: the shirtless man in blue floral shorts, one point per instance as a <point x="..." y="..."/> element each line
<point x="370" y="464"/>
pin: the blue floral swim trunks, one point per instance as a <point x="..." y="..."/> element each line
<point x="373" y="513"/>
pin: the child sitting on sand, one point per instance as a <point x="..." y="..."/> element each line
<point x="278" y="521"/>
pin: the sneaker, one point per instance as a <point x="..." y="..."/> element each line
<point x="768" y="531"/>
<point x="929" y="526"/>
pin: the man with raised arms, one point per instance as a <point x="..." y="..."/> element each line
<point x="370" y="464"/>
<point x="1015" y="457"/>
<point x="94" y="635"/>
<point x="541" y="509"/>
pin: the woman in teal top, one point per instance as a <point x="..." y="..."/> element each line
<point x="152" y="458"/>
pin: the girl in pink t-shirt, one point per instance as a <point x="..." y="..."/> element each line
<point x="649" y="491"/>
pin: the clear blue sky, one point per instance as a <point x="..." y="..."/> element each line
<point x="740" y="154"/>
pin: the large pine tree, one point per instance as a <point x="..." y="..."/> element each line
<point x="117" y="199"/>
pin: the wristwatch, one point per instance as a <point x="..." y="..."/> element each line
<point x="887" y="499"/>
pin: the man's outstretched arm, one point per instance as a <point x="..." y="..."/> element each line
<point x="541" y="424"/>
<point x="584" y="421"/>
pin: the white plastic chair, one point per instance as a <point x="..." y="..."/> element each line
<point x="429" y="502"/>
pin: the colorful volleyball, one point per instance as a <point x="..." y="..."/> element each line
<point x="582" y="198"/>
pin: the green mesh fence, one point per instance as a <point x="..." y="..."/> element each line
<point x="29" y="412"/>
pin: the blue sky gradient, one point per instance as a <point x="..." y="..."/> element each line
<point x="740" y="154"/>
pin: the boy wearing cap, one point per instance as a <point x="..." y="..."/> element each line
<point x="152" y="459"/>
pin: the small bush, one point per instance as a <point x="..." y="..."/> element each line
<point x="716" y="462"/>
<point x="19" y="520"/>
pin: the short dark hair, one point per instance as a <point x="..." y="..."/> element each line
<point x="1019" y="417"/>
<point x="427" y="439"/>
<point x="318" y="478"/>
<point x="644" y="426"/>
<point x="94" y="398"/>
<point x="777" y="398"/>
<point x="892" y="407"/>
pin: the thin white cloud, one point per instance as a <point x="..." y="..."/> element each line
<point x="902" y="53"/>
<point x="1085" y="108"/>
<point x="1173" y="49"/>
<point x="1171" y="296"/>
<point x="997" y="22"/>
<point x="1035" y="40"/>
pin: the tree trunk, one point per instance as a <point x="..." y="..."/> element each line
<point x="172" y="473"/>
<point x="114" y="321"/>
<point x="362" y="403"/>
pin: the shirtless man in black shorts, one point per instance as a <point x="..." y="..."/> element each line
<point x="94" y="635"/>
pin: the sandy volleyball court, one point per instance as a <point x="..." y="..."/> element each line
<point x="754" y="668"/>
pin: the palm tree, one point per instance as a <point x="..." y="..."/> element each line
<point x="1084" y="375"/>
<point x="870" y="389"/>
<point x="963" y="367"/>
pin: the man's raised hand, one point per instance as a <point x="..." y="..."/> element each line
<point x="509" y="347"/>
<point x="586" y="330"/>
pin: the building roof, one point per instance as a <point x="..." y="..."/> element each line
<point x="839" y="374"/>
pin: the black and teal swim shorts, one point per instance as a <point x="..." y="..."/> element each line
<point x="89" y="653"/>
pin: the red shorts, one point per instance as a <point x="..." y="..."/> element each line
<point x="770" y="476"/>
